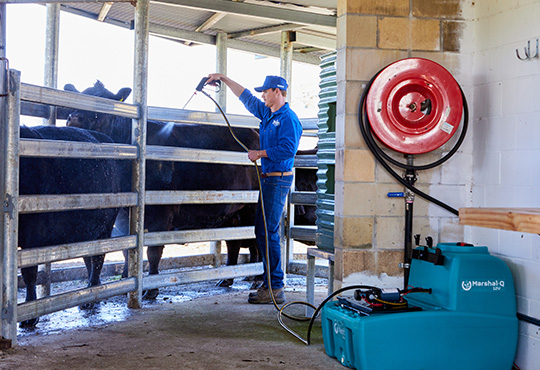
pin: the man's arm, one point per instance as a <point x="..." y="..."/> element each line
<point x="235" y="87"/>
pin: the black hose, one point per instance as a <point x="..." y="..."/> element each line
<point x="267" y="254"/>
<point x="529" y="319"/>
<point x="383" y="158"/>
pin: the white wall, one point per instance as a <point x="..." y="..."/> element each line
<point x="505" y="128"/>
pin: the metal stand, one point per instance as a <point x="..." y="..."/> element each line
<point x="410" y="179"/>
<point x="310" y="275"/>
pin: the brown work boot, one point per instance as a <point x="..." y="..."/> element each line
<point x="259" y="289"/>
<point x="262" y="296"/>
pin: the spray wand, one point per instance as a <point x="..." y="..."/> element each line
<point x="199" y="88"/>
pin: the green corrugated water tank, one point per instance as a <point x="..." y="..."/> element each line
<point x="326" y="153"/>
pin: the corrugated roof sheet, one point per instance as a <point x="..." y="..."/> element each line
<point x="184" y="17"/>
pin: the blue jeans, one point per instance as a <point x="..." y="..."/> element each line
<point x="274" y="194"/>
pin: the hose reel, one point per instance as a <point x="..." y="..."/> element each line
<point x="412" y="112"/>
<point x="414" y="106"/>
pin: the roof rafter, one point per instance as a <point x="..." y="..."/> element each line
<point x="201" y="38"/>
<point x="105" y="8"/>
<point x="240" y="8"/>
<point x="216" y="17"/>
<point x="265" y="30"/>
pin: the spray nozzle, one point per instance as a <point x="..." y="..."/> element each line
<point x="204" y="82"/>
<point x="201" y="84"/>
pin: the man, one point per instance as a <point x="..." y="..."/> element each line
<point x="280" y="131"/>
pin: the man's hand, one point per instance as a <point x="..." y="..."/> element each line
<point x="235" y="87"/>
<point x="212" y="77"/>
<point x="253" y="155"/>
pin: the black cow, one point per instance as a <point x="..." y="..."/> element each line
<point x="65" y="176"/>
<point x="163" y="175"/>
<point x="305" y="180"/>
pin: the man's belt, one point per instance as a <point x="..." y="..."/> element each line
<point x="281" y="174"/>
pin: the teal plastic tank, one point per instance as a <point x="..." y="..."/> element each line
<point x="468" y="322"/>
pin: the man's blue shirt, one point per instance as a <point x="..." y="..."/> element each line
<point x="279" y="132"/>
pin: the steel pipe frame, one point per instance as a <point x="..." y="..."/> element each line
<point x="6" y="330"/>
<point x="10" y="131"/>
<point x="287" y="250"/>
<point x="221" y="67"/>
<point x="78" y="297"/>
<point x="52" y="36"/>
<point x="183" y="277"/>
<point x="140" y="79"/>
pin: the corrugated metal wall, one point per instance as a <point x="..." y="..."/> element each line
<point x="326" y="153"/>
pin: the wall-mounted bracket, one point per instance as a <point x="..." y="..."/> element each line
<point x="527" y="51"/>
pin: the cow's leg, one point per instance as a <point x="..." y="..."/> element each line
<point x="125" y="270"/>
<point x="94" y="265"/>
<point x="29" y="275"/>
<point x="121" y="228"/>
<point x="154" y="256"/>
<point x="233" y="250"/>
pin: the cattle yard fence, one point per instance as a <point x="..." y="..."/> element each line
<point x="34" y="100"/>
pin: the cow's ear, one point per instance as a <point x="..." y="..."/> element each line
<point x="70" y="87"/>
<point x="123" y="93"/>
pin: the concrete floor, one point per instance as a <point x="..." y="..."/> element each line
<point x="219" y="331"/>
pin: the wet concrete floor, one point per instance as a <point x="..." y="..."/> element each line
<point x="197" y="326"/>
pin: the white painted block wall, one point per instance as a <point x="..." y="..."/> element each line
<point x="505" y="130"/>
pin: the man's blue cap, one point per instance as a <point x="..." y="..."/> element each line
<point x="272" y="82"/>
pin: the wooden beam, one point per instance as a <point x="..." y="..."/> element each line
<point x="266" y="30"/>
<point x="514" y="219"/>
<point x="216" y="17"/>
<point x="105" y="8"/>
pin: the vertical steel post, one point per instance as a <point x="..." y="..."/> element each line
<point x="410" y="178"/>
<point x="10" y="193"/>
<point x="215" y="250"/>
<point x="140" y="79"/>
<point x="289" y="223"/>
<point x="221" y="67"/>
<point x="52" y="31"/>
<point x="4" y="323"/>
<point x="287" y="250"/>
<point x="286" y="53"/>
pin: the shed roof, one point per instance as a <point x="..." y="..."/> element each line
<point x="251" y="25"/>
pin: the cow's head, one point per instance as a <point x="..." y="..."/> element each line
<point x="93" y="120"/>
<point x="99" y="90"/>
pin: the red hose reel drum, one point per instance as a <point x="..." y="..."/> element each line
<point x="414" y="106"/>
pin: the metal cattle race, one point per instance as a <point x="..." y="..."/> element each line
<point x="29" y="94"/>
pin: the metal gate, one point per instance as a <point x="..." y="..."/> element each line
<point x="15" y="204"/>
